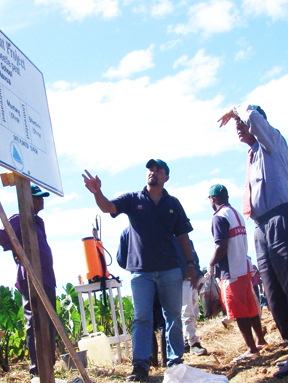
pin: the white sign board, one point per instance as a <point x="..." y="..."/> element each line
<point x="27" y="143"/>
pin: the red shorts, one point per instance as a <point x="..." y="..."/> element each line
<point x="238" y="298"/>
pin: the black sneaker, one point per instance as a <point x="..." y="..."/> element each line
<point x="197" y="349"/>
<point x="174" y="362"/>
<point x="139" y="374"/>
<point x="186" y="346"/>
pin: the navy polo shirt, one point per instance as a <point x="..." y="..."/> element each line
<point x="151" y="230"/>
<point x="220" y="231"/>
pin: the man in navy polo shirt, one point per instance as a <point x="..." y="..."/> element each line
<point x="154" y="218"/>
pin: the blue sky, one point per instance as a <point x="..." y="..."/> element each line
<point x="132" y="80"/>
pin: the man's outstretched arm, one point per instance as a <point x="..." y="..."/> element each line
<point x="94" y="185"/>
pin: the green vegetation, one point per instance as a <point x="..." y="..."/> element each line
<point x="67" y="307"/>
<point x="13" y="324"/>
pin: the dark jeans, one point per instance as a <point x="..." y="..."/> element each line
<point x="30" y="340"/>
<point x="271" y="242"/>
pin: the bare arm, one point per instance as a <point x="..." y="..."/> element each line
<point x="187" y="251"/>
<point x="220" y="252"/>
<point x="227" y="117"/>
<point x="94" y="185"/>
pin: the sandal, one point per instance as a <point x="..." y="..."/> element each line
<point x="246" y="356"/>
<point x="265" y="346"/>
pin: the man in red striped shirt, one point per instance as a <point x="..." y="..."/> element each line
<point x="230" y="256"/>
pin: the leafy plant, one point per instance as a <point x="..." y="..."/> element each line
<point x="128" y="313"/>
<point x="13" y="324"/>
<point x="67" y="309"/>
<point x="201" y="317"/>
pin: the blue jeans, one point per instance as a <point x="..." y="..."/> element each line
<point x="271" y="243"/>
<point x="169" y="287"/>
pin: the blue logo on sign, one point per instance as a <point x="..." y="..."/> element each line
<point x="16" y="156"/>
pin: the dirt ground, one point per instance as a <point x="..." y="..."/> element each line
<point x="222" y="345"/>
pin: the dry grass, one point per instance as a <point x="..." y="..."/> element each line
<point x="222" y="346"/>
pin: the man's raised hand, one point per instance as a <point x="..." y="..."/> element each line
<point x="227" y="117"/>
<point x="91" y="183"/>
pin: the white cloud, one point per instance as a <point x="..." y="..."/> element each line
<point x="163" y="8"/>
<point x="243" y="54"/>
<point x="215" y="171"/>
<point x="198" y="193"/>
<point x="169" y="45"/>
<point x="200" y="71"/>
<point x="134" y="62"/>
<point x="272" y="97"/>
<point x="57" y="202"/>
<point x="16" y="15"/>
<point x="79" y="9"/>
<point x="181" y="61"/>
<point x="62" y="86"/>
<point x="272" y="73"/>
<point x="120" y="112"/>
<point x="141" y="8"/>
<point x="215" y="16"/>
<point x="8" y="197"/>
<point x="277" y="9"/>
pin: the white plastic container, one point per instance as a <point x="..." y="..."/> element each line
<point x="98" y="348"/>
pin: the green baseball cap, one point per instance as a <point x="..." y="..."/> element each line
<point x="260" y="110"/>
<point x="218" y="190"/>
<point x="37" y="192"/>
<point x="160" y="163"/>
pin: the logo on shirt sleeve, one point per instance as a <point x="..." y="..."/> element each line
<point x="139" y="207"/>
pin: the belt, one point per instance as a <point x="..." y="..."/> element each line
<point x="278" y="210"/>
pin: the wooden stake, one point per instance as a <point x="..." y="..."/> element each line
<point x="31" y="248"/>
<point x="41" y="293"/>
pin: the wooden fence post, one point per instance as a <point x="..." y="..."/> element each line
<point x="23" y="195"/>
<point x="31" y="248"/>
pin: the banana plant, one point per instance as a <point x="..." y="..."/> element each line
<point x="13" y="324"/>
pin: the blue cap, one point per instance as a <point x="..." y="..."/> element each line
<point x="37" y="192"/>
<point x="160" y="163"/>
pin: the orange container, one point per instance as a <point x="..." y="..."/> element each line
<point x="93" y="250"/>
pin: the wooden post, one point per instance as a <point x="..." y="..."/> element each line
<point x="40" y="317"/>
<point x="41" y="292"/>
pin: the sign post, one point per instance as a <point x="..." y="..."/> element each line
<point x="40" y="317"/>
